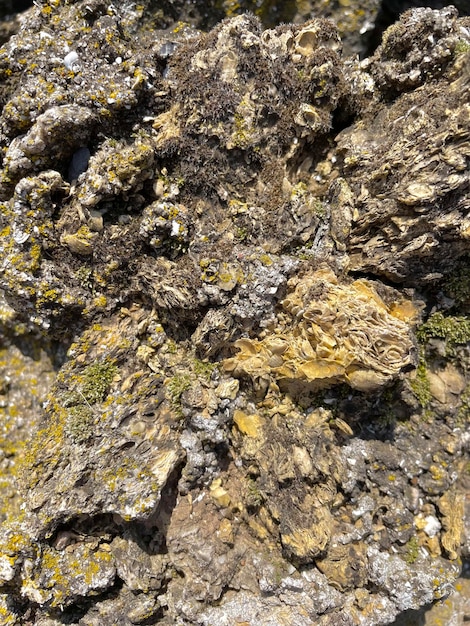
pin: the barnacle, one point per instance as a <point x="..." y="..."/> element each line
<point x="71" y="61"/>
<point x="165" y="226"/>
<point x="334" y="333"/>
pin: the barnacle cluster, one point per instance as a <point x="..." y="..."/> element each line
<point x="330" y="333"/>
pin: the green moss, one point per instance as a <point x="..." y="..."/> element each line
<point x="452" y="330"/>
<point x="73" y="409"/>
<point x="318" y="208"/>
<point x="176" y="386"/>
<point x="84" y="275"/>
<point x="420" y="384"/>
<point x="254" y="496"/>
<point x="172" y="346"/>
<point x="412" y="550"/>
<point x="458" y="285"/>
<point x="241" y="233"/>
<point x="462" y="47"/>
<point x="204" y="369"/>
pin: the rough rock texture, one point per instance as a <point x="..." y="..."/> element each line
<point x="235" y="350"/>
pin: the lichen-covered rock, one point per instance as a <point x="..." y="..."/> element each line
<point x="53" y="137"/>
<point x="58" y="578"/>
<point x="235" y="345"/>
<point x="90" y="396"/>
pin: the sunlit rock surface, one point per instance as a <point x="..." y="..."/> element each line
<point x="235" y="358"/>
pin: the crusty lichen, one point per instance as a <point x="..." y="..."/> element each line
<point x="59" y="577"/>
<point x="412" y="550"/>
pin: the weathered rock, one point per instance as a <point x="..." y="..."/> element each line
<point x="409" y="213"/>
<point x="235" y="339"/>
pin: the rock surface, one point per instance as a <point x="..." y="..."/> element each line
<point x="235" y="370"/>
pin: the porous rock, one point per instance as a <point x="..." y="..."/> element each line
<point x="235" y="357"/>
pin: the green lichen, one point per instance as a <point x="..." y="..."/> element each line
<point x="79" y="423"/>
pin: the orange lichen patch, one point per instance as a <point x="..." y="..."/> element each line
<point x="332" y="333"/>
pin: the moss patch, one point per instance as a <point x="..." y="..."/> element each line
<point x="420" y="384"/>
<point x="454" y="330"/>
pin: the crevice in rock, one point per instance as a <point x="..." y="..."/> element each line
<point x="77" y="611"/>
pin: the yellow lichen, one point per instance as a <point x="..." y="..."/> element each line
<point x="61" y="575"/>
